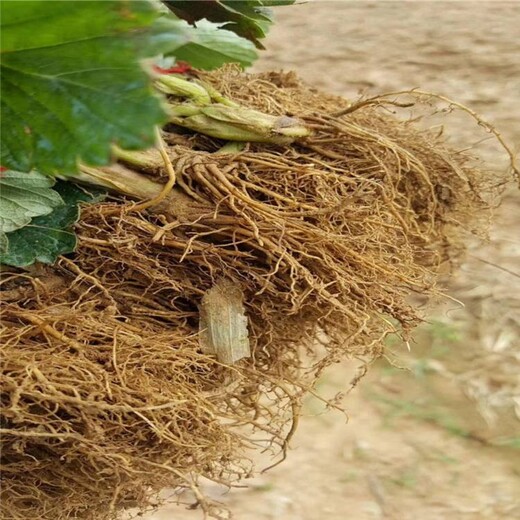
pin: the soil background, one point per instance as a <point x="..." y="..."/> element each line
<point x="439" y="441"/>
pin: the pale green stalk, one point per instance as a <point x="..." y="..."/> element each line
<point x="210" y="113"/>
<point x="120" y="179"/>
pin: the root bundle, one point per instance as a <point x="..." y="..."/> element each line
<point x="107" y="396"/>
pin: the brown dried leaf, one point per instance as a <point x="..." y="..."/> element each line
<point x="223" y="323"/>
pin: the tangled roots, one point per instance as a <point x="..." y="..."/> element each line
<point x="107" y="396"/>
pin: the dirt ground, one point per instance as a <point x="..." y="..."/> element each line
<point x="440" y="441"/>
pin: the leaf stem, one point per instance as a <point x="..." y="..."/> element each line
<point x="141" y="159"/>
<point x="177" y="86"/>
<point x="238" y="123"/>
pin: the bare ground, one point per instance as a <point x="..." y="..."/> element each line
<point x="440" y="441"/>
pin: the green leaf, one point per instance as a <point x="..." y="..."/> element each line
<point x="24" y="196"/>
<point x="52" y="235"/>
<point x="247" y="18"/>
<point x="4" y="243"/>
<point x="72" y="84"/>
<point x="210" y="47"/>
